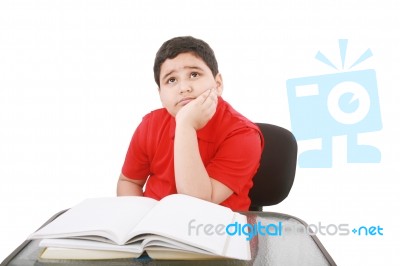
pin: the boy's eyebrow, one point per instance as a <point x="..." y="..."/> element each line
<point x="185" y="67"/>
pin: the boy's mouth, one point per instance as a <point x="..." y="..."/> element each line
<point x="185" y="101"/>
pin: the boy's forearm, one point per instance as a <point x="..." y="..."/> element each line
<point x="191" y="177"/>
<point x="128" y="188"/>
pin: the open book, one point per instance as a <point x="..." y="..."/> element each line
<point x="176" y="227"/>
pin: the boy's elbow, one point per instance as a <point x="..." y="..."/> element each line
<point x="128" y="187"/>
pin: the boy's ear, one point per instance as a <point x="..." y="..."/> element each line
<point x="220" y="84"/>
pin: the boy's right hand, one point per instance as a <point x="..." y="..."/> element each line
<point x="199" y="111"/>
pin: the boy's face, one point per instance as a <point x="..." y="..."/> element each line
<point x="183" y="79"/>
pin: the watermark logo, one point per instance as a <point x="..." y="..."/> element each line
<point x="280" y="229"/>
<point x="248" y="230"/>
<point x="368" y="231"/>
<point x="325" y="106"/>
<point x="334" y="229"/>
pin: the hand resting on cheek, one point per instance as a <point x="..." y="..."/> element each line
<point x="199" y="111"/>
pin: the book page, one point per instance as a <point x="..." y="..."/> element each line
<point x="160" y="242"/>
<point x="60" y="254"/>
<point x="89" y="245"/>
<point x="238" y="246"/>
<point x="60" y="249"/>
<point x="112" y="218"/>
<point x="168" y="254"/>
<point x="190" y="220"/>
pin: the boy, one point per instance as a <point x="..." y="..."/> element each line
<point x="197" y="144"/>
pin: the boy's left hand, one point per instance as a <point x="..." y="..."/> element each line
<point x="199" y="111"/>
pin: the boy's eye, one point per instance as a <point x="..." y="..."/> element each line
<point x="171" y="80"/>
<point x="194" y="75"/>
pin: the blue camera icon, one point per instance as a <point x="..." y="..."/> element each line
<point x="325" y="106"/>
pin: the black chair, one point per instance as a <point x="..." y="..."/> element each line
<point x="272" y="184"/>
<point x="275" y="176"/>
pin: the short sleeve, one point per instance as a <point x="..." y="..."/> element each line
<point x="137" y="164"/>
<point x="237" y="159"/>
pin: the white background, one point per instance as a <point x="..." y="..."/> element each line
<point x="76" y="78"/>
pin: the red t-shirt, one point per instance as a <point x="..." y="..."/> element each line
<point x="230" y="147"/>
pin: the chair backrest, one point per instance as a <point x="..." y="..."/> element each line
<point x="275" y="176"/>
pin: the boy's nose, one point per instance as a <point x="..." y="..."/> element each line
<point x="185" y="88"/>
